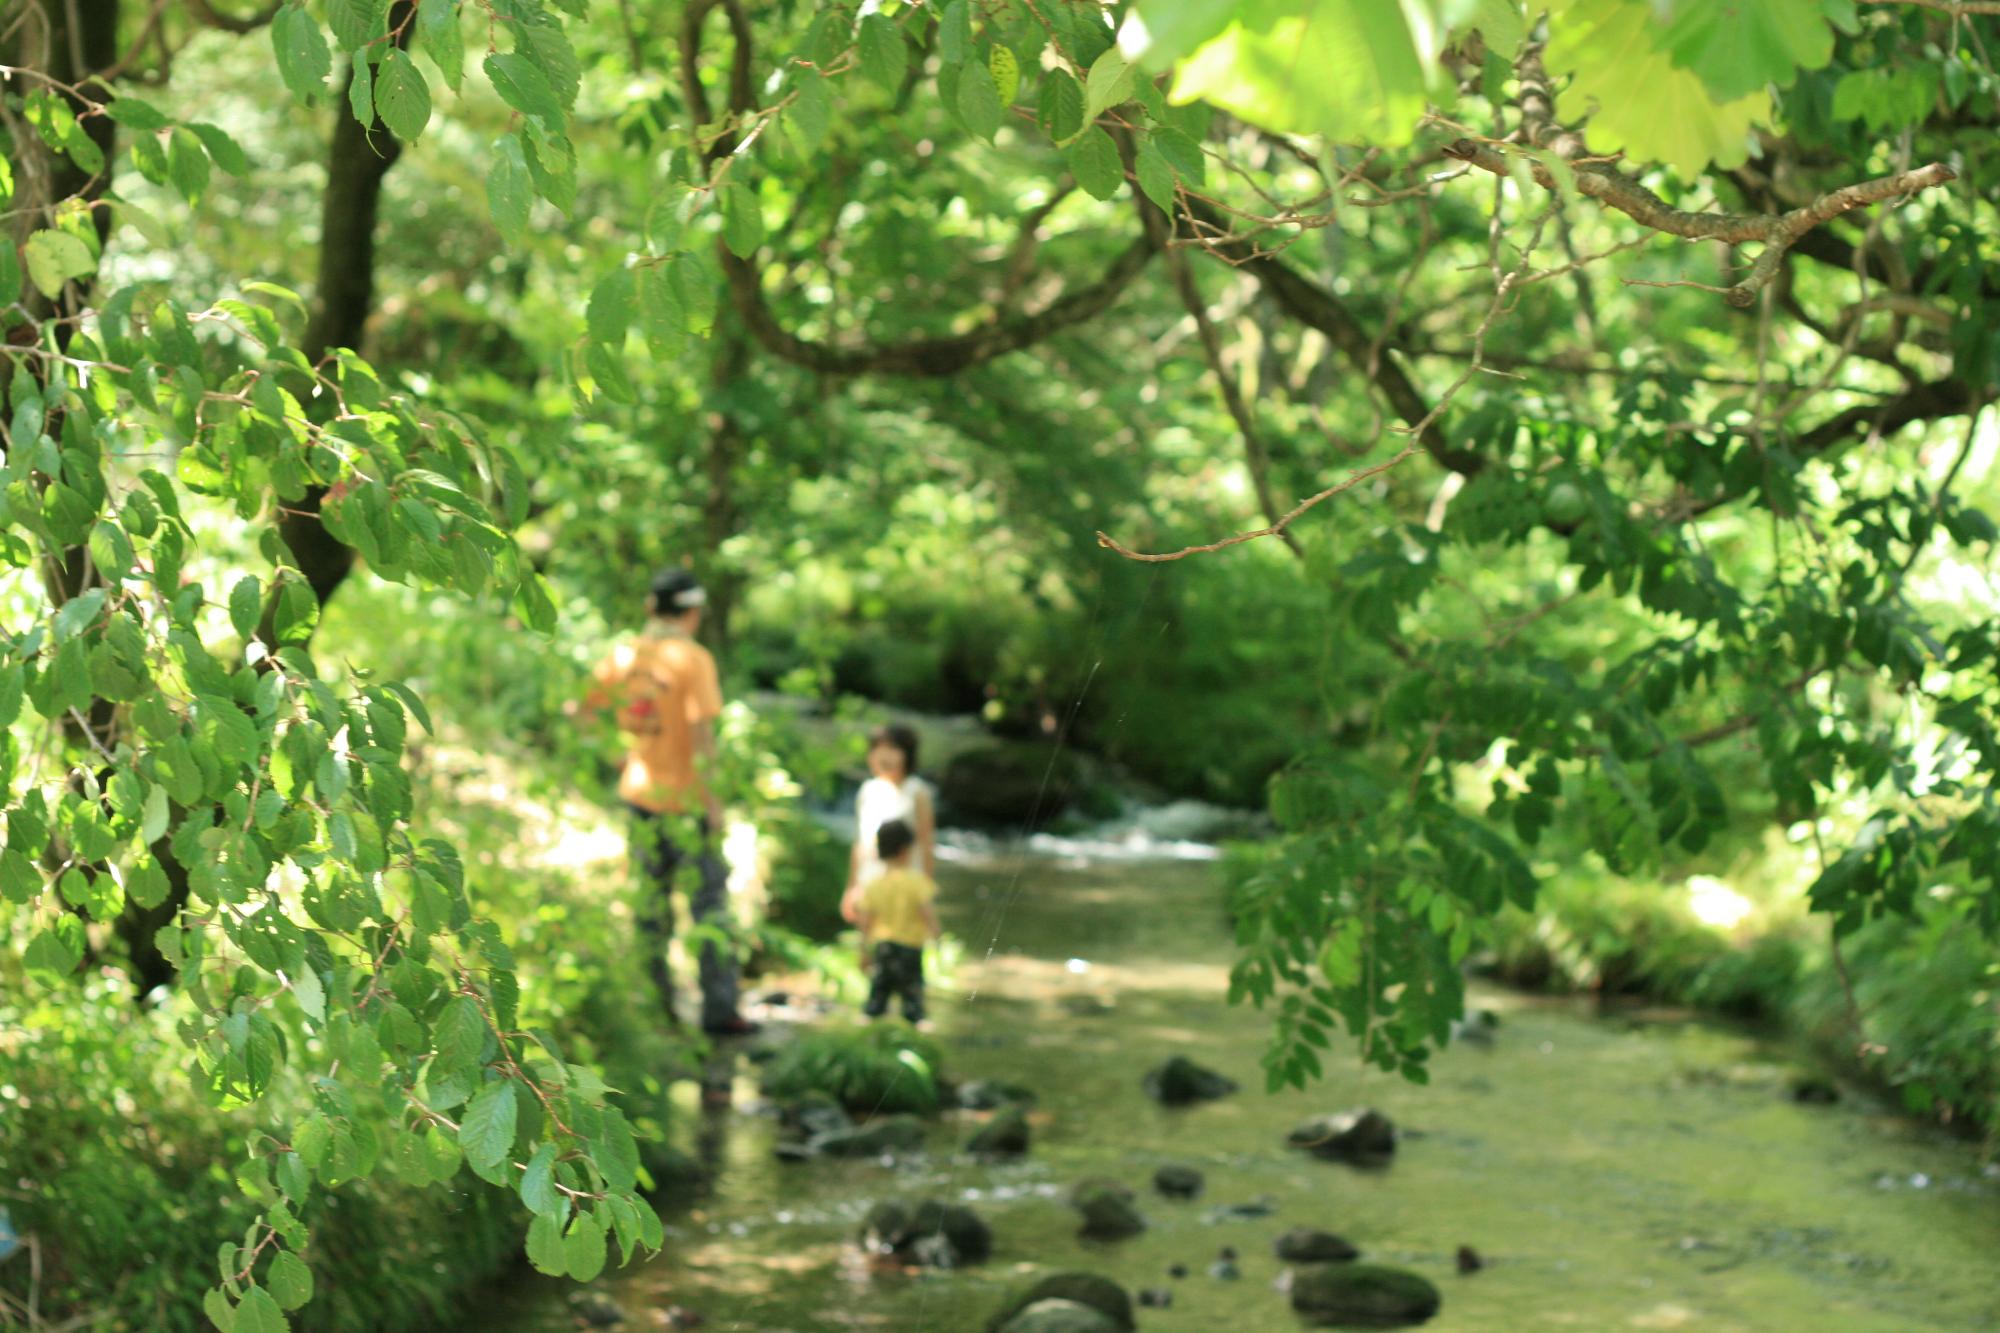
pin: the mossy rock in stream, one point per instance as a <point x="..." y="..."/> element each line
<point x="934" y="1233"/>
<point x="1060" y="1317"/>
<point x="1108" y="1210"/>
<point x="1005" y="1135"/>
<point x="1361" y="1138"/>
<point x="1106" y="1298"/>
<point x="1362" y="1296"/>
<point x="1179" y="1081"/>
<point x="1014" y="784"/>
<point x="879" y="1137"/>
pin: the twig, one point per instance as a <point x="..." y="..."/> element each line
<point x="1777" y="231"/>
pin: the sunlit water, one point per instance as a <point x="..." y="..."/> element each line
<point x="1614" y="1173"/>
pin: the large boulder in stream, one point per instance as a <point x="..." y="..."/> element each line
<point x="1108" y="1210"/>
<point x="881" y="1136"/>
<point x="1303" y="1245"/>
<point x="1110" y="1303"/>
<point x="1361" y="1138"/>
<point x="1005" y="1135"/>
<point x="935" y="1234"/>
<point x="1060" y="1317"/>
<point x="1362" y="1296"/>
<point x="1182" y="1082"/>
<point x="1018" y="784"/>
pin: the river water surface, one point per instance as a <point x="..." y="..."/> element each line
<point x="1636" y="1172"/>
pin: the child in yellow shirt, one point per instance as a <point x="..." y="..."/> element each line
<point x="898" y="913"/>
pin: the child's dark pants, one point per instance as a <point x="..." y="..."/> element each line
<point x="899" y="970"/>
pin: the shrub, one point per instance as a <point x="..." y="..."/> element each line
<point x="880" y="1068"/>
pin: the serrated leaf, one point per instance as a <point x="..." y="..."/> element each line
<point x="742" y="220"/>
<point x="438" y="28"/>
<point x="955" y="32"/>
<point x="812" y="109"/>
<point x="486" y="1133"/>
<point x="1093" y="160"/>
<point x="1739" y="49"/>
<point x="522" y="85"/>
<point x="310" y="993"/>
<point x="304" y="61"/>
<point x="402" y="98"/>
<point x="978" y="102"/>
<point x="1156" y="178"/>
<point x="1108" y="84"/>
<point x="583" y="1248"/>
<point x="616" y="1152"/>
<point x="545" y="1245"/>
<point x="1006" y="72"/>
<point x="55" y="258"/>
<point x="884" y="56"/>
<point x="460" y="1034"/>
<point x="246" y="606"/>
<point x="538" y="1183"/>
<point x="258" y="1312"/>
<point x="290" y="1281"/>
<point x="608" y="317"/>
<point x="509" y="189"/>
<point x="224" y="151"/>
<point x="56" y="951"/>
<point x="1060" y="108"/>
<point x="361" y="91"/>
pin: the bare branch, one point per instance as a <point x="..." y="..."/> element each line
<point x="1777" y="231"/>
<point x="214" y="18"/>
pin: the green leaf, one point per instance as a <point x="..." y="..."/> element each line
<point x="979" y="102"/>
<point x="535" y="604"/>
<point x="460" y="1034"/>
<point x="111" y="551"/>
<point x="1060" y="107"/>
<point x="13" y="680"/>
<point x="438" y="27"/>
<point x="1093" y="160"/>
<point x="1612" y="47"/>
<point x="310" y="993"/>
<point x="1108" y="84"/>
<point x="538" y="1183"/>
<point x="1006" y="71"/>
<point x="509" y="189"/>
<point x="812" y="109"/>
<point x="297" y="615"/>
<point x="523" y="86"/>
<point x="10" y="275"/>
<point x="884" y="56"/>
<point x="616" y="1152"/>
<point x="54" y="258"/>
<point x="56" y="951"/>
<point x="545" y="1245"/>
<point x="486" y="1133"/>
<point x="290" y="1281"/>
<point x="134" y="114"/>
<point x="1501" y="24"/>
<point x="361" y="91"/>
<point x="742" y="220"/>
<point x="609" y="316"/>
<point x="1738" y="49"/>
<point x="303" y="58"/>
<point x="955" y="32"/>
<point x="583" y="1248"/>
<point x="259" y="1313"/>
<point x="215" y="1303"/>
<point x="224" y="151"/>
<point x="246" y="606"/>
<point x="402" y="98"/>
<point x="20" y="882"/>
<point x="145" y="881"/>
<point x="353" y="22"/>
<point x="1156" y="178"/>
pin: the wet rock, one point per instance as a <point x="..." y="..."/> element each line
<point x="1005" y="1135"/>
<point x="1177" y="1182"/>
<point x="1177" y="1270"/>
<point x="1361" y="1138"/>
<point x="883" y="1135"/>
<point x="1158" y="1298"/>
<point x="1811" y="1090"/>
<point x="1182" y="1082"/>
<point x="1224" y="1266"/>
<point x="1018" y="784"/>
<point x="596" y="1309"/>
<point x="1476" y="1028"/>
<point x="681" y="1316"/>
<point x="934" y="1234"/>
<point x="1108" y="1211"/>
<point x="1303" y="1245"/>
<point x="1362" y="1296"/>
<point x="814" y="1115"/>
<point x="1059" y="1317"/>
<point x="1100" y="1295"/>
<point x="985" y="1094"/>
<point x="1469" y="1260"/>
<point x="1261" y="1206"/>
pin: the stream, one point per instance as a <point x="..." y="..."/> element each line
<point x="1640" y="1170"/>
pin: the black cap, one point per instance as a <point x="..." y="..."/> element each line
<point x="675" y="591"/>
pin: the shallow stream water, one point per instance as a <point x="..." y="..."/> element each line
<point x="1641" y="1171"/>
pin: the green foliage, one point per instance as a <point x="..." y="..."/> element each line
<point x="881" y="1068"/>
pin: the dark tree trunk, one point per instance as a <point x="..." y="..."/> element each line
<point x="721" y="512"/>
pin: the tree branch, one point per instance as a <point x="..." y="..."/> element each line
<point x="1777" y="231"/>
<point x="208" y="14"/>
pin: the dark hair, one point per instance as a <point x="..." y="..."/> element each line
<point x="903" y="738"/>
<point x="675" y="592"/>
<point x="893" y="839"/>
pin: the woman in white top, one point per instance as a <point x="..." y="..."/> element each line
<point x="893" y="791"/>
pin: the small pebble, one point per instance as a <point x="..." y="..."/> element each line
<point x="1225" y="1265"/>
<point x="1158" y="1297"/>
<point x="1177" y="1270"/>
<point x="1469" y="1260"/>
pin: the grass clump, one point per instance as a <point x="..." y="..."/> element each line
<point x="882" y="1068"/>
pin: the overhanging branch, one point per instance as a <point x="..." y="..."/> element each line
<point x="1778" y="232"/>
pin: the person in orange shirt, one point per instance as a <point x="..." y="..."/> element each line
<point x="664" y="687"/>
